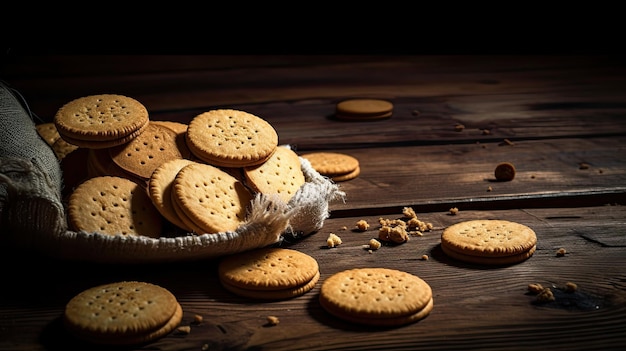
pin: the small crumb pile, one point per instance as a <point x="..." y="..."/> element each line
<point x="399" y="230"/>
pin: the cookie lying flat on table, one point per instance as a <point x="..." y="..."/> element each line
<point x="489" y="241"/>
<point x="269" y="273"/>
<point x="335" y="165"/>
<point x="363" y="109"/>
<point x="122" y="313"/>
<point x="376" y="296"/>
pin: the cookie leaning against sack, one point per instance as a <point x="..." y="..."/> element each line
<point x="281" y="174"/>
<point x="122" y="313"/>
<point x="114" y="206"/>
<point x="489" y="241"/>
<point x="212" y="199"/>
<point x="100" y="121"/>
<point x="269" y="273"/>
<point x="376" y="296"/>
<point x="231" y="138"/>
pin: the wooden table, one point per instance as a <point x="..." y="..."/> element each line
<point x="561" y="120"/>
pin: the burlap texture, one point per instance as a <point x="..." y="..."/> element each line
<point x="32" y="214"/>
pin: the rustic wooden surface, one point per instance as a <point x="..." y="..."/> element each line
<point x="557" y="113"/>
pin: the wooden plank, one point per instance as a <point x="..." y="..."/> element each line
<point x="169" y="84"/>
<point x="444" y="176"/>
<point x="476" y="307"/>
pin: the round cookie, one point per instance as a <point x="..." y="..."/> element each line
<point x="160" y="190"/>
<point x="363" y="109"/>
<point x="376" y="296"/>
<point x="103" y="117"/>
<point x="48" y="131"/>
<point x="231" y="138"/>
<point x="142" y="155"/>
<point x="213" y="199"/>
<point x="269" y="273"/>
<point x="122" y="313"/>
<point x="332" y="163"/>
<point x="115" y="206"/>
<point x="489" y="241"/>
<point x="281" y="174"/>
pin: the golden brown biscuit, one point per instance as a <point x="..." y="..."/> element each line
<point x="213" y="199"/>
<point x="114" y="206"/>
<point x="281" y="174"/>
<point x="103" y="117"/>
<point x="160" y="190"/>
<point x="122" y="313"/>
<point x="376" y="296"/>
<point x="142" y="155"/>
<point x="364" y="109"/>
<point x="486" y="241"/>
<point x="231" y="138"/>
<point x="269" y="273"/>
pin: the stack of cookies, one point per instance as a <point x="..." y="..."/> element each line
<point x="122" y="313"/>
<point x="269" y="273"/>
<point x="489" y="242"/>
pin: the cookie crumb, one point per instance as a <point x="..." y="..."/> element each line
<point x="459" y="127"/>
<point x="374" y="245"/>
<point x="415" y="112"/>
<point x="409" y="212"/>
<point x="545" y="295"/>
<point x="454" y="211"/>
<point x="561" y="252"/>
<point x="506" y="142"/>
<point x="486" y="132"/>
<point x="205" y="347"/>
<point x="570" y="287"/>
<point x="424" y="257"/>
<point x="397" y="234"/>
<point x="362" y="225"/>
<point x="344" y="228"/>
<point x="197" y="319"/>
<point x="184" y="329"/>
<point x="272" y="320"/>
<point x="489" y="189"/>
<point x="333" y="240"/>
<point x="583" y="165"/>
<point x="535" y="288"/>
<point x="504" y="171"/>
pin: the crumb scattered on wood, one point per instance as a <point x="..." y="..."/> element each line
<point x="506" y="142"/>
<point x="197" y="319"/>
<point x="561" y="252"/>
<point x="424" y="257"/>
<point x="571" y="287"/>
<point x="535" y="288"/>
<point x="184" y="329"/>
<point x="454" y="211"/>
<point x="272" y="320"/>
<point x="489" y="188"/>
<point x="545" y="295"/>
<point x="333" y="240"/>
<point x="459" y="127"/>
<point x="362" y="225"/>
<point x="583" y="165"/>
<point x="374" y="244"/>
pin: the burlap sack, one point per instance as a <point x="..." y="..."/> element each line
<point x="33" y="217"/>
